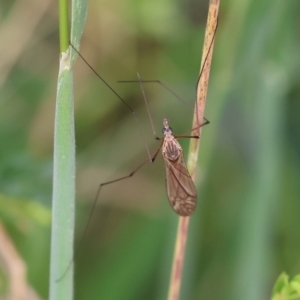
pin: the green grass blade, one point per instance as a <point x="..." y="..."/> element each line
<point x="63" y="187"/>
<point x="63" y="205"/>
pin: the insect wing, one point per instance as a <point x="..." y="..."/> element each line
<point x="181" y="189"/>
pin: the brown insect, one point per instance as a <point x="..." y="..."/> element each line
<point x="181" y="189"/>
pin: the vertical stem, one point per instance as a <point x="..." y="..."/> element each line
<point x="202" y="86"/>
<point x="63" y="186"/>
<point x="178" y="258"/>
<point x="63" y="171"/>
<point x="63" y="199"/>
<point x="63" y="25"/>
<point x="182" y="231"/>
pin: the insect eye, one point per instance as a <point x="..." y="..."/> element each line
<point x="164" y="130"/>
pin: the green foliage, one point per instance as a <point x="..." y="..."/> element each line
<point x="28" y="224"/>
<point x="285" y="289"/>
<point x="246" y="227"/>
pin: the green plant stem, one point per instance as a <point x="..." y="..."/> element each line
<point x="63" y="201"/>
<point x="63" y="25"/>
<point x="61" y="282"/>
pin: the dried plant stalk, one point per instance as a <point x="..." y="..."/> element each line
<point x="182" y="231"/>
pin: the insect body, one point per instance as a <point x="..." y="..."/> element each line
<point x="182" y="193"/>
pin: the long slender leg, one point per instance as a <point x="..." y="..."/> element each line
<point x="206" y="57"/>
<point x="113" y="181"/>
<point x="165" y="86"/>
<point x="186" y="136"/>
<point x="160" y="83"/>
<point x="201" y="125"/>
<point x="202" y="69"/>
<point x="132" y="111"/>
<point x="95" y="202"/>
<point x="147" y="106"/>
<point x="168" y="89"/>
<point x="192" y="136"/>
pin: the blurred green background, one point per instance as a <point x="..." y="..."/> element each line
<point x="245" y="231"/>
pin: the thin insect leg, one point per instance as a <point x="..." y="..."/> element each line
<point x="168" y="89"/>
<point x="206" y="57"/>
<point x="194" y="136"/>
<point x="186" y="136"/>
<point x="165" y="86"/>
<point x="113" y="181"/>
<point x="202" y="69"/>
<point x="94" y="206"/>
<point x="132" y="111"/>
<point x="147" y="106"/>
<point x="201" y="125"/>
<point x="159" y="82"/>
<point x="151" y="158"/>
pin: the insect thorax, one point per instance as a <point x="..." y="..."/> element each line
<point x="171" y="149"/>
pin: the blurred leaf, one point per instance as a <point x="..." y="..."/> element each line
<point x="285" y="289"/>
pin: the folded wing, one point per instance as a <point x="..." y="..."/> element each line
<point x="181" y="189"/>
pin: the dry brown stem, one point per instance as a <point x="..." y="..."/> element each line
<point x="182" y="231"/>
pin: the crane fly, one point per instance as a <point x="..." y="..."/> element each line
<point x="181" y="190"/>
